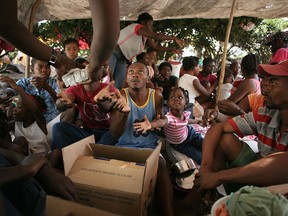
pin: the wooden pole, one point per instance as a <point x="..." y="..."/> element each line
<point x="30" y="28"/>
<point x="228" y="30"/>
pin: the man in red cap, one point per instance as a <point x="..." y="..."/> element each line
<point x="226" y="160"/>
<point x="279" y="46"/>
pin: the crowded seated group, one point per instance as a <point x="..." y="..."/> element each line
<point x="40" y="116"/>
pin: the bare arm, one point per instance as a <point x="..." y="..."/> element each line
<point x="159" y="103"/>
<point x="119" y="115"/>
<point x="26" y="41"/>
<point x="25" y="167"/>
<point x="46" y="175"/>
<point x="263" y="172"/>
<point x="201" y="89"/>
<point x="160" y="48"/>
<point x="245" y="87"/>
<point x="146" y="125"/>
<point x="37" y="113"/>
<point x="42" y="83"/>
<point x="210" y="143"/>
<point x="106" y="28"/>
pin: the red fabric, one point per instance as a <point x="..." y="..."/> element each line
<point x="91" y="116"/>
<point x="6" y="46"/>
<point x="137" y="28"/>
<point x="211" y="78"/>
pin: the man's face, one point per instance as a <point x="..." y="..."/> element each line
<point x="41" y="69"/>
<point x="275" y="91"/>
<point x="137" y="76"/>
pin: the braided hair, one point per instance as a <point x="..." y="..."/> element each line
<point x="185" y="92"/>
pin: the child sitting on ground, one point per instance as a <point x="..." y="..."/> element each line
<point x="226" y="88"/>
<point x="181" y="136"/>
<point x="30" y="122"/>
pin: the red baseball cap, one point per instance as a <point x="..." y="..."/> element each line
<point x="280" y="69"/>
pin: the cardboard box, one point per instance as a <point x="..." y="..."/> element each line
<point x="115" y="179"/>
<point x="56" y="206"/>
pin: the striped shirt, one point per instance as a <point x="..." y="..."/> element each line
<point x="265" y="123"/>
<point x="176" y="130"/>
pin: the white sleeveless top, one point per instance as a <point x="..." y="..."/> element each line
<point x="130" y="42"/>
<point x="37" y="139"/>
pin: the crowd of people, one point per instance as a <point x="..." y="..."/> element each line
<point x="127" y="104"/>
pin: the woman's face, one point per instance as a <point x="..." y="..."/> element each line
<point x="148" y="24"/>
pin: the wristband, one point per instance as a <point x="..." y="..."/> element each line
<point x="53" y="58"/>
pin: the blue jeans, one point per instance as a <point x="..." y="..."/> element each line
<point x="64" y="134"/>
<point x="117" y="64"/>
<point x="21" y="197"/>
<point x="192" y="146"/>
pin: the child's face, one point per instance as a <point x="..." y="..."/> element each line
<point x="146" y="59"/>
<point x="21" y="111"/>
<point x="229" y="79"/>
<point x="177" y="100"/>
<point x="196" y="70"/>
<point x="71" y="50"/>
<point x="165" y="72"/>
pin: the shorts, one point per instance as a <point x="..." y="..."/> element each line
<point x="246" y="156"/>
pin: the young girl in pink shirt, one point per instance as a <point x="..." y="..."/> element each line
<point x="179" y="134"/>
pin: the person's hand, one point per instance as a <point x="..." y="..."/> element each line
<point x="33" y="163"/>
<point x="95" y="74"/>
<point x="120" y="103"/>
<point x="228" y="107"/>
<point x="39" y="82"/>
<point x="206" y="180"/>
<point x="107" y="93"/>
<point x="8" y="80"/>
<point x="64" y="64"/>
<point x="62" y="104"/>
<point x="55" y="183"/>
<point x="210" y="116"/>
<point x="79" y="123"/>
<point x="144" y="126"/>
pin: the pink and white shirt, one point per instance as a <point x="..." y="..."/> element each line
<point x="176" y="130"/>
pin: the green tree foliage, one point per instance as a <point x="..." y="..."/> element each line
<point x="205" y="35"/>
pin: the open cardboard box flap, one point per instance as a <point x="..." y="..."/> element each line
<point x="116" y="168"/>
